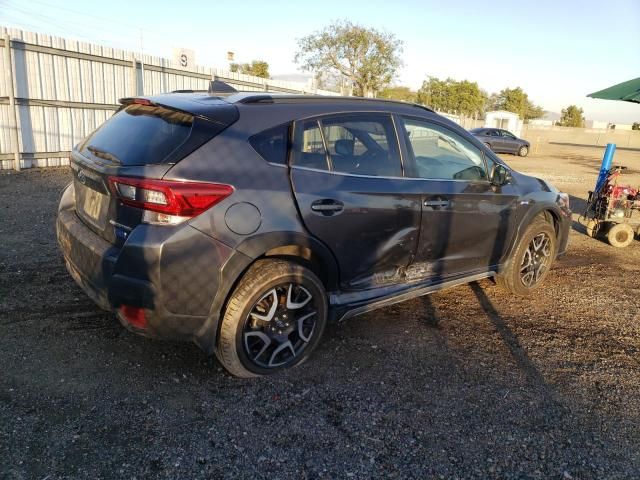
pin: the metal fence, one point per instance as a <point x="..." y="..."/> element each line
<point x="55" y="91"/>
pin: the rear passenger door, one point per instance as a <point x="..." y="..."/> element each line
<point x="346" y="172"/>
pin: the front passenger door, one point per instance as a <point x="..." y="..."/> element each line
<point x="465" y="219"/>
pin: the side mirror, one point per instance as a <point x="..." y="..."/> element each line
<point x="500" y="175"/>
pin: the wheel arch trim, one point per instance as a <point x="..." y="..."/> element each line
<point x="544" y="208"/>
<point x="276" y="244"/>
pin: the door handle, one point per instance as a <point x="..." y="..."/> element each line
<point x="327" y="207"/>
<point x="436" y="203"/>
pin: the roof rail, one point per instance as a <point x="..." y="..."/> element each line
<point x="249" y="98"/>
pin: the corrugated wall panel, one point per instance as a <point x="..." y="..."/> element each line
<point x="5" y="130"/>
<point x="38" y="130"/>
<point x="99" y="87"/>
<point x="86" y="86"/>
<point x="109" y="94"/>
<point x="4" y="85"/>
<point x="61" y="78"/>
<point x="66" y="129"/>
<point x="77" y="125"/>
<point x="89" y="121"/>
<point x="51" y="129"/>
<point x="47" y="76"/>
<point x="75" y="80"/>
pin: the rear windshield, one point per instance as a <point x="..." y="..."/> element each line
<point x="139" y="135"/>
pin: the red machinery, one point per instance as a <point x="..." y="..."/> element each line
<point x="614" y="210"/>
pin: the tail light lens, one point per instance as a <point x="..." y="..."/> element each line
<point x="166" y="201"/>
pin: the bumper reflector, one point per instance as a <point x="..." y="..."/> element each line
<point x="134" y="316"/>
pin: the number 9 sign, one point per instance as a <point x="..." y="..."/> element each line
<point x="183" y="57"/>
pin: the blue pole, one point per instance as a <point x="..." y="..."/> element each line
<point x="606" y="165"/>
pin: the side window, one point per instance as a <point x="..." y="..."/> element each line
<point x="309" y="149"/>
<point x="362" y="145"/>
<point x="272" y="144"/>
<point x="507" y="134"/>
<point x="441" y="154"/>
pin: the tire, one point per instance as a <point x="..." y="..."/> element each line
<point x="256" y="339"/>
<point x="517" y="277"/>
<point x="523" y="151"/>
<point x="620" y="235"/>
<point x="592" y="228"/>
<point x="488" y="145"/>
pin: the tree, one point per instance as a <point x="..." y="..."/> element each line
<point x="366" y="57"/>
<point x="404" y="94"/>
<point x="635" y="126"/>
<point x="470" y="100"/>
<point x="571" y="117"/>
<point x="461" y="97"/>
<point x="257" y="68"/>
<point x="517" y="101"/>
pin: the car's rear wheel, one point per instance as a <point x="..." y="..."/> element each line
<point x="531" y="260"/>
<point x="273" y="320"/>
<point x="488" y="145"/>
<point x="523" y="151"/>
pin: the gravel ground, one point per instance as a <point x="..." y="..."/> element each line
<point x="466" y="383"/>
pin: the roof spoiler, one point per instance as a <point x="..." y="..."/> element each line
<point x="136" y="100"/>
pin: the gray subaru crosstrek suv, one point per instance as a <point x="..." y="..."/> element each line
<point x="245" y="222"/>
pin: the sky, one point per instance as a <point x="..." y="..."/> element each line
<point x="556" y="51"/>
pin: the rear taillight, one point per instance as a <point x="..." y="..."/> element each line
<point x="166" y="201"/>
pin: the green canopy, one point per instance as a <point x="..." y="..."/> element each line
<point x="628" y="91"/>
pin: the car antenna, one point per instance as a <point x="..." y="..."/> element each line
<point x="219" y="88"/>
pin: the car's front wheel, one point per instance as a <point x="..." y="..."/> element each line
<point x="523" y="151"/>
<point x="531" y="260"/>
<point x="273" y="320"/>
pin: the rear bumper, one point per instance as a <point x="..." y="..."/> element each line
<point x="175" y="275"/>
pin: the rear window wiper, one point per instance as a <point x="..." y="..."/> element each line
<point x="103" y="154"/>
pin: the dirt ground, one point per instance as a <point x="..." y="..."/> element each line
<point x="465" y="383"/>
